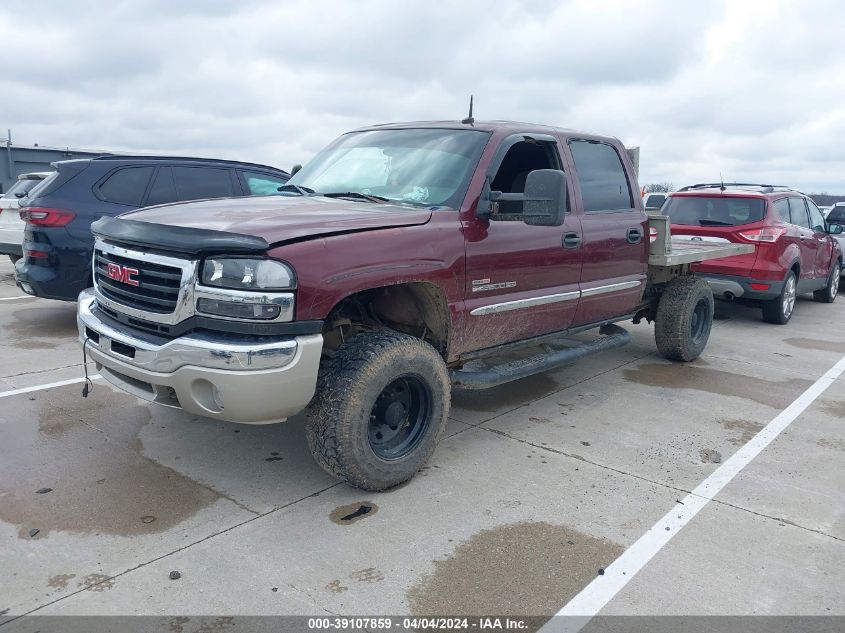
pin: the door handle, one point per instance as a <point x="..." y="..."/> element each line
<point x="571" y="240"/>
<point x="634" y="236"/>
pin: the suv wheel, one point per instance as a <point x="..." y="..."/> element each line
<point x="379" y="410"/>
<point x="828" y="293"/>
<point x="779" y="310"/>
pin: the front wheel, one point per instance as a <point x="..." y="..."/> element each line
<point x="779" y="310"/>
<point x="379" y="410"/>
<point x="828" y="293"/>
<point x="684" y="318"/>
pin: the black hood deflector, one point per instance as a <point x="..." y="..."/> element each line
<point x="177" y="239"/>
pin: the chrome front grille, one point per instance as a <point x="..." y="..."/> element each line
<point x="155" y="288"/>
<point x="147" y="286"/>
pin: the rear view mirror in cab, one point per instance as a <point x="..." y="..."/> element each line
<point x="543" y="201"/>
<point x="835" y="229"/>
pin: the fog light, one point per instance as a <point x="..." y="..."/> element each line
<point x="263" y="311"/>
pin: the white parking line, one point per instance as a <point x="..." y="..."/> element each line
<point x="19" y="297"/>
<point x="600" y="591"/>
<point x="49" y="385"/>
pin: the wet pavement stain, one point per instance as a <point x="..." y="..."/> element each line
<point x="349" y="514"/>
<point x="60" y="581"/>
<point x="370" y="574"/>
<point x="42" y="327"/>
<point x="835" y="408"/>
<point x="335" y="587"/>
<point x="746" y="428"/>
<point x="516" y="569"/>
<point x="817" y="344"/>
<point x="773" y="393"/>
<point x="514" y="394"/>
<point x="831" y="442"/>
<point x="96" y="582"/>
<point x="89" y="452"/>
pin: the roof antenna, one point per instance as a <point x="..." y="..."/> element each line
<point x="721" y="180"/>
<point x="469" y="120"/>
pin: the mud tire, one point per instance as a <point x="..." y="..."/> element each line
<point x="350" y="383"/>
<point x="684" y="318"/>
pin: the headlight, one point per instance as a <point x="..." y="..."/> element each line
<point x="247" y="274"/>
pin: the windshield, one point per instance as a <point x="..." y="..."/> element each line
<point x="417" y="166"/>
<point x="714" y="211"/>
<point x="20" y="187"/>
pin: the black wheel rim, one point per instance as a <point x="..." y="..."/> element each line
<point x="400" y="417"/>
<point x="700" y="318"/>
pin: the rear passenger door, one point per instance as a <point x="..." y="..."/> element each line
<point x="614" y="248"/>
<point x="197" y="183"/>
<point x="800" y="218"/>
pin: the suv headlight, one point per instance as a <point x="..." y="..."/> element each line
<point x="241" y="273"/>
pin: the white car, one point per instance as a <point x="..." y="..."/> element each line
<point x="11" y="225"/>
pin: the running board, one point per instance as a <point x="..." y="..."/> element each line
<point x="612" y="336"/>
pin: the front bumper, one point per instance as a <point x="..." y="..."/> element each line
<point x="247" y="379"/>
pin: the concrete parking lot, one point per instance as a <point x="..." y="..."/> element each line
<point x="537" y="487"/>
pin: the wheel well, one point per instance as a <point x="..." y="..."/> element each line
<point x="797" y="268"/>
<point x="416" y="308"/>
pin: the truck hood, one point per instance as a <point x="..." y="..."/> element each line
<point x="280" y="218"/>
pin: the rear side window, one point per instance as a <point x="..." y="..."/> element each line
<point x="126" y="186"/>
<point x="781" y="207"/>
<point x="196" y="183"/>
<point x="714" y="211"/>
<point x="836" y="215"/>
<point x="262" y="184"/>
<point x="816" y="217"/>
<point x="798" y="212"/>
<point x="604" y="184"/>
<point x="163" y="189"/>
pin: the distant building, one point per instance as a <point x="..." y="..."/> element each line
<point x="23" y="159"/>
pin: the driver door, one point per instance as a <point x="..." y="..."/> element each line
<point x="521" y="281"/>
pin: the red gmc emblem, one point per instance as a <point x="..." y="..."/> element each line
<point x="123" y="274"/>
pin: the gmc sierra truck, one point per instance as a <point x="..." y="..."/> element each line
<point x="402" y="261"/>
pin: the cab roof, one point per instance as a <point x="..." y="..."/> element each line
<point x="514" y="127"/>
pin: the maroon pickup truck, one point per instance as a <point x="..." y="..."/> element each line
<point x="402" y="261"/>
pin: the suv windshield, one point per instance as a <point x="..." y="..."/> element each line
<point x="714" y="211"/>
<point x="416" y="166"/>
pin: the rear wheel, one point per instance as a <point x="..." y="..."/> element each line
<point x="380" y="409"/>
<point x="779" y="310"/>
<point x="828" y="293"/>
<point x="684" y="318"/>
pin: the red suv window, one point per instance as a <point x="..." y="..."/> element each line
<point x="714" y="210"/>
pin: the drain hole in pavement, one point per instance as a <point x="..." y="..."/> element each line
<point x="348" y="514"/>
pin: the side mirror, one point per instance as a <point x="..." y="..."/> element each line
<point x="835" y="229"/>
<point x="295" y="169"/>
<point x="545" y="198"/>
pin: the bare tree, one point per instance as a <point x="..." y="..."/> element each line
<point x="660" y="187"/>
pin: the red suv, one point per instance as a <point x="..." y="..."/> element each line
<point x="794" y="253"/>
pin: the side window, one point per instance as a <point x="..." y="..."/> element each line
<point x="781" y="207"/>
<point x="521" y="159"/>
<point x="798" y="212"/>
<point x="196" y="183"/>
<point x="126" y="186"/>
<point x="260" y="184"/>
<point x="163" y="189"/>
<point x="816" y="217"/>
<point x="604" y="184"/>
<point x="836" y="215"/>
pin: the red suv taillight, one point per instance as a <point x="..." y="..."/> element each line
<point x="767" y="234"/>
<point x="44" y="216"/>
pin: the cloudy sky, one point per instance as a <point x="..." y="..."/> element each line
<point x="754" y="90"/>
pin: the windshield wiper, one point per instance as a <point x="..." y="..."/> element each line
<point x="356" y="195"/>
<point x="302" y="191"/>
<point x="707" y="222"/>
